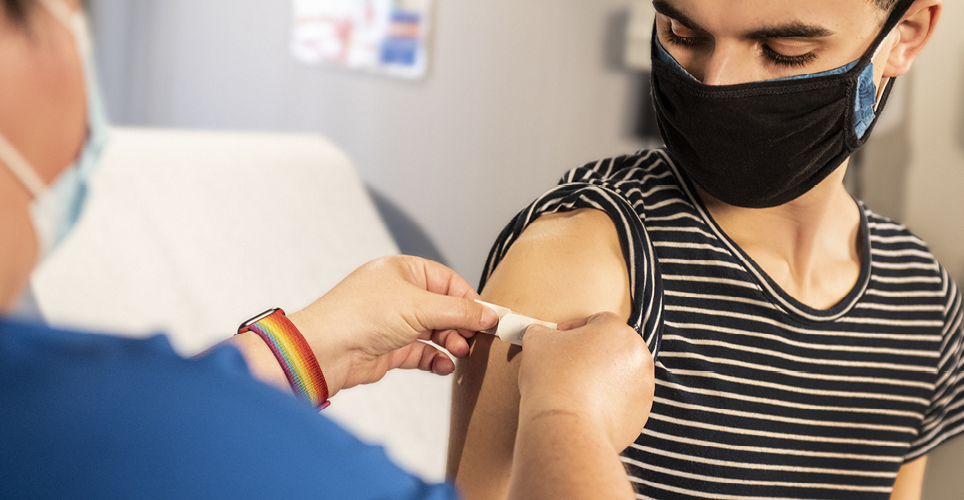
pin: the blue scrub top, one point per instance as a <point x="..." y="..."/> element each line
<point x="96" y="416"/>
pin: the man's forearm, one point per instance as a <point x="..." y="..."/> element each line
<point x="562" y="455"/>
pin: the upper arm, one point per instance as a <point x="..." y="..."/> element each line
<point x="910" y="480"/>
<point x="562" y="267"/>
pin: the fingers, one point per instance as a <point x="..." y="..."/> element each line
<point x="453" y="341"/>
<point x="440" y="312"/>
<point x="606" y="326"/>
<point x="442" y="365"/>
<point x="534" y="332"/>
<point x="598" y="318"/>
<point x="424" y="357"/>
<point x="443" y="301"/>
<point x="417" y="299"/>
<point x="442" y="280"/>
<point x="572" y="325"/>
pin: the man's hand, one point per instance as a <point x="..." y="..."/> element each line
<point x="597" y="368"/>
<point x="371" y="322"/>
<point x="563" y="267"/>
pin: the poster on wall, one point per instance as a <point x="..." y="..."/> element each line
<point x="383" y="36"/>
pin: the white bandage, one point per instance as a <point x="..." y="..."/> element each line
<point x="512" y="327"/>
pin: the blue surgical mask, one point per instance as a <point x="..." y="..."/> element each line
<point x="55" y="209"/>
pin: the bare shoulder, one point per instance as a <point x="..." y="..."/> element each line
<point x="562" y="267"/>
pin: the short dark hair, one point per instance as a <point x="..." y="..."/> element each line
<point x="886" y="5"/>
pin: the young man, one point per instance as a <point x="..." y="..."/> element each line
<point x="805" y="347"/>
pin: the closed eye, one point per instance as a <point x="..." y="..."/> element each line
<point x="788" y="61"/>
<point x="682" y="41"/>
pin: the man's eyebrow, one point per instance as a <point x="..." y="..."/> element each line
<point x="664" y="8"/>
<point x="791" y="30"/>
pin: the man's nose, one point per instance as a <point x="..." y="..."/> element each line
<point x="728" y="64"/>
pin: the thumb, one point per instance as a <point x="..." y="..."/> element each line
<point x="597" y="318"/>
<point x="442" y="312"/>
<point x="536" y="330"/>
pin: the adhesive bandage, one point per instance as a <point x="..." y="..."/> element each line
<point x="512" y="327"/>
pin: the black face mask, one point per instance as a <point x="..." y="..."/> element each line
<point x="764" y="144"/>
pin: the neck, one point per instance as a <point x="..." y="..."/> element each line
<point x="811" y="246"/>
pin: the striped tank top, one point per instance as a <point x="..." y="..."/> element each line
<point x="758" y="395"/>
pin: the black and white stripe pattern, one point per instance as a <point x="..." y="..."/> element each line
<point x="758" y="395"/>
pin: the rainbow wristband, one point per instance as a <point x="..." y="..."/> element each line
<point x="296" y="358"/>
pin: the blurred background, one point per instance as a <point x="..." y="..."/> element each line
<point x="517" y="93"/>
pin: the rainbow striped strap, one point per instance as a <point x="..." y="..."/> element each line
<point x="294" y="354"/>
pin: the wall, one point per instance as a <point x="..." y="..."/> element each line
<point x="519" y="93"/>
<point x="935" y="183"/>
<point x="935" y="206"/>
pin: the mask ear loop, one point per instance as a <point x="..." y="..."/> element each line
<point x="892" y="23"/>
<point x="61" y="11"/>
<point x="74" y="21"/>
<point x="886" y="79"/>
<point x="886" y="83"/>
<point x="21" y="168"/>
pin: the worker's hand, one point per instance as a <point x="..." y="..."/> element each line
<point x="598" y="369"/>
<point x="371" y="322"/>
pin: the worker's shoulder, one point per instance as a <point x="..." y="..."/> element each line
<point x="102" y="403"/>
<point x="33" y="345"/>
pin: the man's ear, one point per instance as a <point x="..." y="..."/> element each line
<point x="914" y="31"/>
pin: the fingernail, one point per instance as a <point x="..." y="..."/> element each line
<point x="489" y="318"/>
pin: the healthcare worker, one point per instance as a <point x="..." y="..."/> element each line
<point x="96" y="416"/>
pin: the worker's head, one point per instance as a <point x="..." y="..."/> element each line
<point x="760" y="101"/>
<point x="47" y="116"/>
